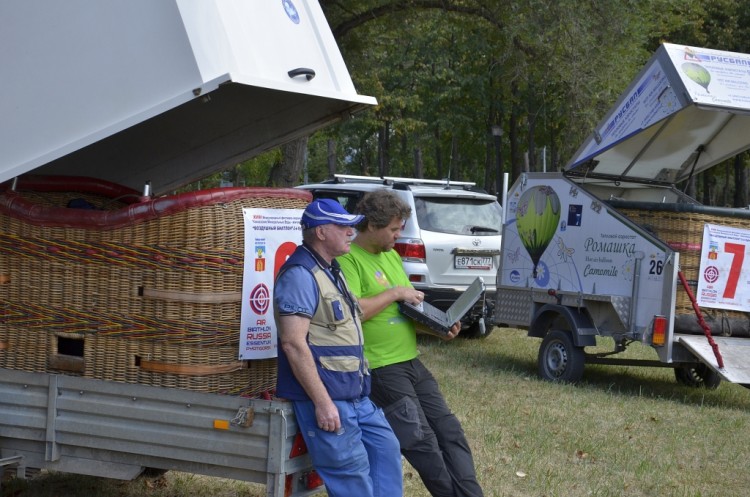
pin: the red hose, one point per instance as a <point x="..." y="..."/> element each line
<point x="701" y="321"/>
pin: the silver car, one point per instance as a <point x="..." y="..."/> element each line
<point x="452" y="237"/>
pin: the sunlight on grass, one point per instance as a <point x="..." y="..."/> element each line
<point x="621" y="431"/>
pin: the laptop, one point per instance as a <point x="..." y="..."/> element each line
<point x="440" y="322"/>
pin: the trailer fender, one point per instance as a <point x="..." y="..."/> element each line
<point x="552" y="316"/>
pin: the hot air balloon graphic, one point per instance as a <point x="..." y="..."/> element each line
<point x="536" y="218"/>
<point x="697" y="73"/>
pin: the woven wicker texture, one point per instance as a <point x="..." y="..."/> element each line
<point x="157" y="301"/>
<point x="683" y="231"/>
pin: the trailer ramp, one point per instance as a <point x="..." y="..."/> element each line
<point x="735" y="352"/>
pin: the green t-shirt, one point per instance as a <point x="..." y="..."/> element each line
<point x="389" y="336"/>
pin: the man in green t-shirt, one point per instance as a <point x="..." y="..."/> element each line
<point x="430" y="435"/>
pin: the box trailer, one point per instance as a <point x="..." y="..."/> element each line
<point x="116" y="104"/>
<point x="610" y="247"/>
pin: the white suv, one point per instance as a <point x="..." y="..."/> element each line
<point x="452" y="237"/>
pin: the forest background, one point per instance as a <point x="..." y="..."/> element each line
<point x="470" y="89"/>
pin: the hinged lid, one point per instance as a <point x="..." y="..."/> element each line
<point x="686" y="111"/>
<point x="163" y="91"/>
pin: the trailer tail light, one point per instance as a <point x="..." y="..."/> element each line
<point x="313" y="480"/>
<point x="288" y="485"/>
<point x="298" y="446"/>
<point x="659" y="335"/>
<point x="411" y="251"/>
<point x="309" y="481"/>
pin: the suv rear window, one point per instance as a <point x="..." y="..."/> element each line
<point x="462" y="216"/>
<point x="348" y="200"/>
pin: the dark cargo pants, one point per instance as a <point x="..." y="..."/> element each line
<point x="430" y="435"/>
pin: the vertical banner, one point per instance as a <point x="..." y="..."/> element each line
<point x="724" y="274"/>
<point x="271" y="235"/>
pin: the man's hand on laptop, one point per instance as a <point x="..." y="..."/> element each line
<point x="413" y="296"/>
<point x="453" y="333"/>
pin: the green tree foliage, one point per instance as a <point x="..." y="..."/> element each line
<point x="445" y="71"/>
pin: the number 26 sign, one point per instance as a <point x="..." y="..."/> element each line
<point x="724" y="274"/>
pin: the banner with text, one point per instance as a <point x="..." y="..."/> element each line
<point x="724" y="275"/>
<point x="271" y="235"/>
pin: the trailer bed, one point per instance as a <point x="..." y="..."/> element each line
<point x="734" y="351"/>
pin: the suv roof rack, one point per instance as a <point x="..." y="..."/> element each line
<point x="387" y="180"/>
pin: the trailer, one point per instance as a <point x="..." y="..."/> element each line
<point x="612" y="248"/>
<point x="134" y="99"/>
<point x="117" y="430"/>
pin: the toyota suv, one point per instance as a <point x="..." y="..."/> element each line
<point x="452" y="236"/>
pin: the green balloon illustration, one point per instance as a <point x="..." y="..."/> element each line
<point x="697" y="73"/>
<point x="536" y="218"/>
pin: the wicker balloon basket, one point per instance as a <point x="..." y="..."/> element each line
<point x="681" y="226"/>
<point x="97" y="281"/>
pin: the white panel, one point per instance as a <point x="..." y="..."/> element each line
<point x="72" y="69"/>
<point x="81" y="73"/>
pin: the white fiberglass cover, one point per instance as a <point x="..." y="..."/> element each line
<point x="164" y="91"/>
<point x="687" y="110"/>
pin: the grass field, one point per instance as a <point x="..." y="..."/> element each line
<point x="623" y="431"/>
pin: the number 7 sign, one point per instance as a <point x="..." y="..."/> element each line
<point x="723" y="275"/>
<point x="737" y="251"/>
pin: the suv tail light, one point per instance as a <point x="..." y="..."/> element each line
<point x="411" y="251"/>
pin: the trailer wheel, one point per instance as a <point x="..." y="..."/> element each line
<point x="697" y="376"/>
<point x="559" y="358"/>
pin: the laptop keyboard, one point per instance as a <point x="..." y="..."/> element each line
<point x="433" y="312"/>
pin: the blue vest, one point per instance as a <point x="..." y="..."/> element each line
<point x="334" y="337"/>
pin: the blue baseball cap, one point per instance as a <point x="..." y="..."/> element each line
<point x="328" y="211"/>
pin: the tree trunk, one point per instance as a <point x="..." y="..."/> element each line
<point x="331" y="157"/>
<point x="532" y="159"/>
<point x="454" y="170"/>
<point x="740" y="180"/>
<point x="384" y="150"/>
<point x="287" y="172"/>
<point x="515" y="156"/>
<point x="727" y="184"/>
<point x="488" y="165"/>
<point x="402" y="153"/>
<point x="418" y="163"/>
<point x="365" y="161"/>
<point x="438" y="154"/>
<point x="690" y="187"/>
<point x="707" y="180"/>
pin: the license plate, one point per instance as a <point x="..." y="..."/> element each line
<point x="472" y="262"/>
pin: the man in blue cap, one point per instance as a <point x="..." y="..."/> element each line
<point x="321" y="365"/>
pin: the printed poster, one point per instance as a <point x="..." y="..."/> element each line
<point x="649" y="101"/>
<point x="271" y="235"/>
<point x="724" y="273"/>
<point x="713" y="77"/>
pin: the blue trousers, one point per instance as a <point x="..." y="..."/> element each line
<point x="363" y="459"/>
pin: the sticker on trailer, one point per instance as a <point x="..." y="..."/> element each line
<point x="558" y="237"/>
